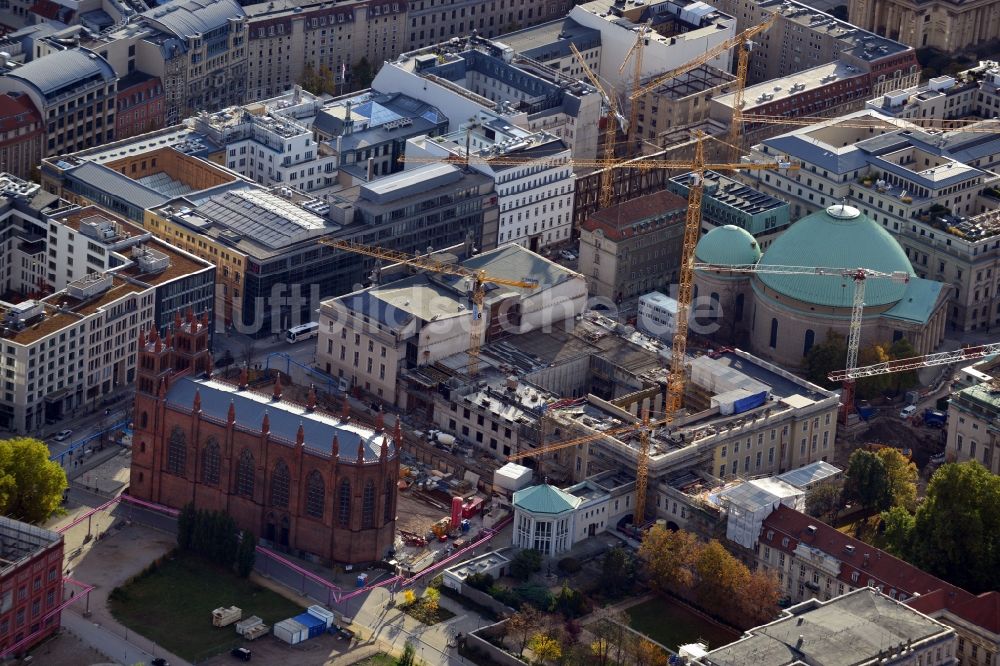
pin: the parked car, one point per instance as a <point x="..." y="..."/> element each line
<point x="241" y="653"/>
<point x="159" y="661"/>
<point x="567" y="255"/>
<point x="63" y="435"/>
<point x="908" y="411"/>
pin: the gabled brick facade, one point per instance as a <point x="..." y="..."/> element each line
<point x="305" y="497"/>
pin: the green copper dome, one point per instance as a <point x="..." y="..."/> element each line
<point x="727" y="245"/>
<point x="837" y="237"/>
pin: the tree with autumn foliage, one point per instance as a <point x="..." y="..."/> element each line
<point x="669" y="558"/>
<point x="758" y="598"/>
<point x="902" y="478"/>
<point x="545" y="648"/>
<point x="720" y="576"/>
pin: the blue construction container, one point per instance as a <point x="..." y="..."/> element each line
<point x="315" y="625"/>
<point x="749" y="402"/>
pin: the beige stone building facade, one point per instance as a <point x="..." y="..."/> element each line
<point x="972" y="429"/>
<point x="680" y="101"/>
<point x="634" y="247"/>
<point x="285" y="38"/>
<point x="949" y="25"/>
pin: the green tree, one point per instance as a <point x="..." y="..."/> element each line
<point x="246" y="555"/>
<point x="31" y="485"/>
<point x="823" y="500"/>
<point x="669" y="558"/>
<point x="897" y="526"/>
<point x="825" y="357"/>
<point x="617" y="572"/>
<point x="903" y="381"/>
<point x="310" y="80"/>
<point x="361" y="74"/>
<point x="871" y="387"/>
<point x="327" y="80"/>
<point x="571" y="603"/>
<point x="185" y="526"/>
<point x="902" y="474"/>
<point x="956" y="533"/>
<point x="525" y="563"/>
<point x="408" y="658"/>
<point x="545" y="648"/>
<point x="867" y="481"/>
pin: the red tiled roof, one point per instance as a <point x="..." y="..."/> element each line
<point x="46" y="9"/>
<point x="617" y="221"/>
<point x="983" y="611"/>
<point x="870" y="563"/>
<point x="890" y="572"/>
<point x="17" y="111"/>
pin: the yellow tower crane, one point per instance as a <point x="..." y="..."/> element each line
<point x="478" y="278"/>
<point x="613" y="118"/>
<point x="635" y="52"/>
<point x="743" y="44"/>
<point x="676" y="378"/>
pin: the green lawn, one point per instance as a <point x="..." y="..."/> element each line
<point x="672" y="624"/>
<point x="173" y="606"/>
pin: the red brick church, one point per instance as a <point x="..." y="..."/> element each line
<point x="301" y="479"/>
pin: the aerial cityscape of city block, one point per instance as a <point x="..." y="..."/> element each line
<point x="500" y="332"/>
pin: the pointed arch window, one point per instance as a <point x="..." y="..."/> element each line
<point x="245" y="474"/>
<point x="344" y="510"/>
<point x="177" y="452"/>
<point x="390" y="490"/>
<point x="210" y="463"/>
<point x="368" y="505"/>
<point x="280" y="480"/>
<point x="315" y="494"/>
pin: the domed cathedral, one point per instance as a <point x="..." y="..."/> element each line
<point x="781" y="316"/>
<point x="301" y="479"/>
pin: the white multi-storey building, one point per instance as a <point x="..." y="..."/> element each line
<point x="535" y="193"/>
<point x="464" y="77"/>
<point x="86" y="283"/>
<point x="272" y="149"/>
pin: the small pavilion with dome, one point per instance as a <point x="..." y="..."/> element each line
<point x="780" y="317"/>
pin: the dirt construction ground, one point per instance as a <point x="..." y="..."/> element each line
<point x="415" y="515"/>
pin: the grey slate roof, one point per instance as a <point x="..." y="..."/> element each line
<point x="514" y="262"/>
<point x="283" y="417"/>
<point x="110" y="181"/>
<point x="61" y="69"/>
<point x="188" y="18"/>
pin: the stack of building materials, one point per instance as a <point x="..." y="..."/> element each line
<point x="223" y="617"/>
<point x="252" y="628"/>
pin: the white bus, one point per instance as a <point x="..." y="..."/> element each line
<point x="302" y="332"/>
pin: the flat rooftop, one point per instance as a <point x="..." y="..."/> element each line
<point x="550" y="41"/>
<point x="733" y="193"/>
<point x="20" y="541"/>
<point x="800" y="83"/>
<point x="851" y="629"/>
<point x="62" y="310"/>
<point x="860" y="43"/>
